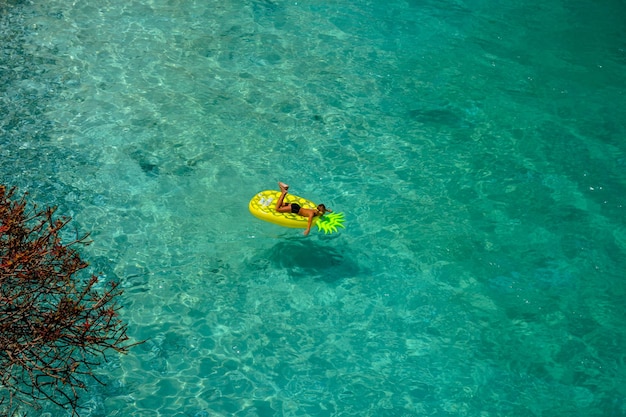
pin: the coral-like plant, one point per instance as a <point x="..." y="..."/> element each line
<point x="55" y="327"/>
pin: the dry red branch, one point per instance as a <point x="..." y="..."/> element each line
<point x="55" y="327"/>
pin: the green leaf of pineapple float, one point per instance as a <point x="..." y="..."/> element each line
<point x="329" y="222"/>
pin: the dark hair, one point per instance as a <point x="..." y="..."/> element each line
<point x="321" y="206"/>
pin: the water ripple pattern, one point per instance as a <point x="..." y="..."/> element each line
<point x="475" y="147"/>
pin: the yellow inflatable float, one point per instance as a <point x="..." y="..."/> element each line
<point x="263" y="207"/>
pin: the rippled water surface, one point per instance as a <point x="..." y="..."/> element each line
<point x="476" y="148"/>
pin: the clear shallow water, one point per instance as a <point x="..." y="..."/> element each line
<point x="476" y="149"/>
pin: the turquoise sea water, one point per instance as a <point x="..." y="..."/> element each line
<point x="476" y="147"/>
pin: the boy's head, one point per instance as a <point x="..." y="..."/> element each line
<point x="321" y="208"/>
